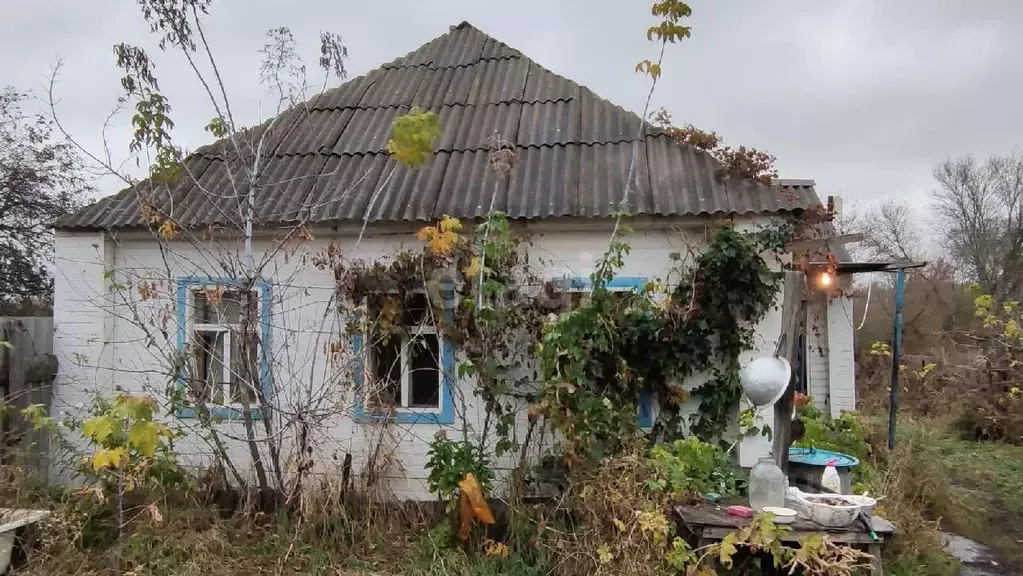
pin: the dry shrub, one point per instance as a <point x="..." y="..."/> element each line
<point x="205" y="531"/>
<point x="614" y="524"/>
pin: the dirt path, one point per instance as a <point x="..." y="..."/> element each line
<point x="976" y="558"/>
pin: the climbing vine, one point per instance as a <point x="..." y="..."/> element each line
<point x="597" y="359"/>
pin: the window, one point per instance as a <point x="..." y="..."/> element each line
<point x="577" y="290"/>
<point x="223" y="329"/>
<point x="225" y="351"/>
<point x="406" y="363"/>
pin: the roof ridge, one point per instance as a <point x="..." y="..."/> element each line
<point x="553" y="100"/>
<point x="391" y="65"/>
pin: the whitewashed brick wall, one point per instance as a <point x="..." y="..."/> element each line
<point x="100" y="344"/>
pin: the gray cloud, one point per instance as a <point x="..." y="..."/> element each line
<point x="863" y="96"/>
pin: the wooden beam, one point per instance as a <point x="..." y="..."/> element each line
<point x="792" y="317"/>
<point x="808" y="243"/>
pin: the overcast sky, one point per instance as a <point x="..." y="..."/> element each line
<point x="863" y="96"/>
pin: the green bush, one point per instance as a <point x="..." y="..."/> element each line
<point x="692" y="466"/>
<point x="450" y="460"/>
<point x="847" y="434"/>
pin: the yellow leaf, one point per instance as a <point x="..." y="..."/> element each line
<point x="473" y="269"/>
<point x="619" y="525"/>
<point x="498" y="549"/>
<point x="604" y="555"/>
<point x="167" y="230"/>
<point x="136" y="407"/>
<point x="143" y="436"/>
<point x="727" y="549"/>
<point x="107" y="457"/>
<point x="98" y="428"/>
<point x="450" y="224"/>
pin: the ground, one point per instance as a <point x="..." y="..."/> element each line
<point x="977" y="500"/>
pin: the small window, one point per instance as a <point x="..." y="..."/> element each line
<point x="224" y="344"/>
<point x="574" y="296"/>
<point x="406" y="361"/>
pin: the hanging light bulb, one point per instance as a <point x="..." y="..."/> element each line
<point x="825" y="279"/>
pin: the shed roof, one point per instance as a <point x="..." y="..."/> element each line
<point x="328" y="159"/>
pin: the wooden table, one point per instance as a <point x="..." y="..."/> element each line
<point x="709" y="523"/>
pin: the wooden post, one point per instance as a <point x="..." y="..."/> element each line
<point x="792" y="312"/>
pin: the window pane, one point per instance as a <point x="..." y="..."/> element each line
<point x="204" y="313"/>
<point x="424" y="353"/>
<point x="386" y="389"/>
<point x="209" y="366"/>
<point x="245" y="376"/>
<point x="417" y="309"/>
<point x="213" y="306"/>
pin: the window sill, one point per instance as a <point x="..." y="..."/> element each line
<point x="406" y="416"/>
<point x="227" y="413"/>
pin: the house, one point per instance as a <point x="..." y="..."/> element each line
<point x="329" y="179"/>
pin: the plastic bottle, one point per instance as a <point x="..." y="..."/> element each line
<point x="830" y="480"/>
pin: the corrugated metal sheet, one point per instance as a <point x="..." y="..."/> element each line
<point x="326" y="161"/>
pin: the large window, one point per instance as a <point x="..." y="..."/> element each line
<point x="223" y="328"/>
<point x="406" y="362"/>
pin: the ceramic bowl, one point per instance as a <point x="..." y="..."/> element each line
<point x="781" y="515"/>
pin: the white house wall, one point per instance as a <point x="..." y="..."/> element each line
<point x="102" y="345"/>
<point x="817" y="351"/>
<point x="841" y="364"/>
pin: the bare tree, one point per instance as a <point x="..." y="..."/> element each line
<point x="226" y="361"/>
<point x="890" y="233"/>
<point x="980" y="213"/>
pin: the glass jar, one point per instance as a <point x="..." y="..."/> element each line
<point x="766" y="485"/>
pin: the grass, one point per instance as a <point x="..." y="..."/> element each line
<point x="932" y="479"/>
<point x="935" y="480"/>
<point x="985" y="501"/>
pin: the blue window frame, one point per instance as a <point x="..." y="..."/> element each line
<point x="443" y="414"/>
<point x="187" y="286"/>
<point x="618" y="284"/>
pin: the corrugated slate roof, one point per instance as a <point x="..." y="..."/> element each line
<point x="328" y="160"/>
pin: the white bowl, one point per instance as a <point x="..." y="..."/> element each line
<point x="828" y="515"/>
<point x="781" y="515"/>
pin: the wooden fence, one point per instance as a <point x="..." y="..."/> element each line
<point x="27" y="371"/>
